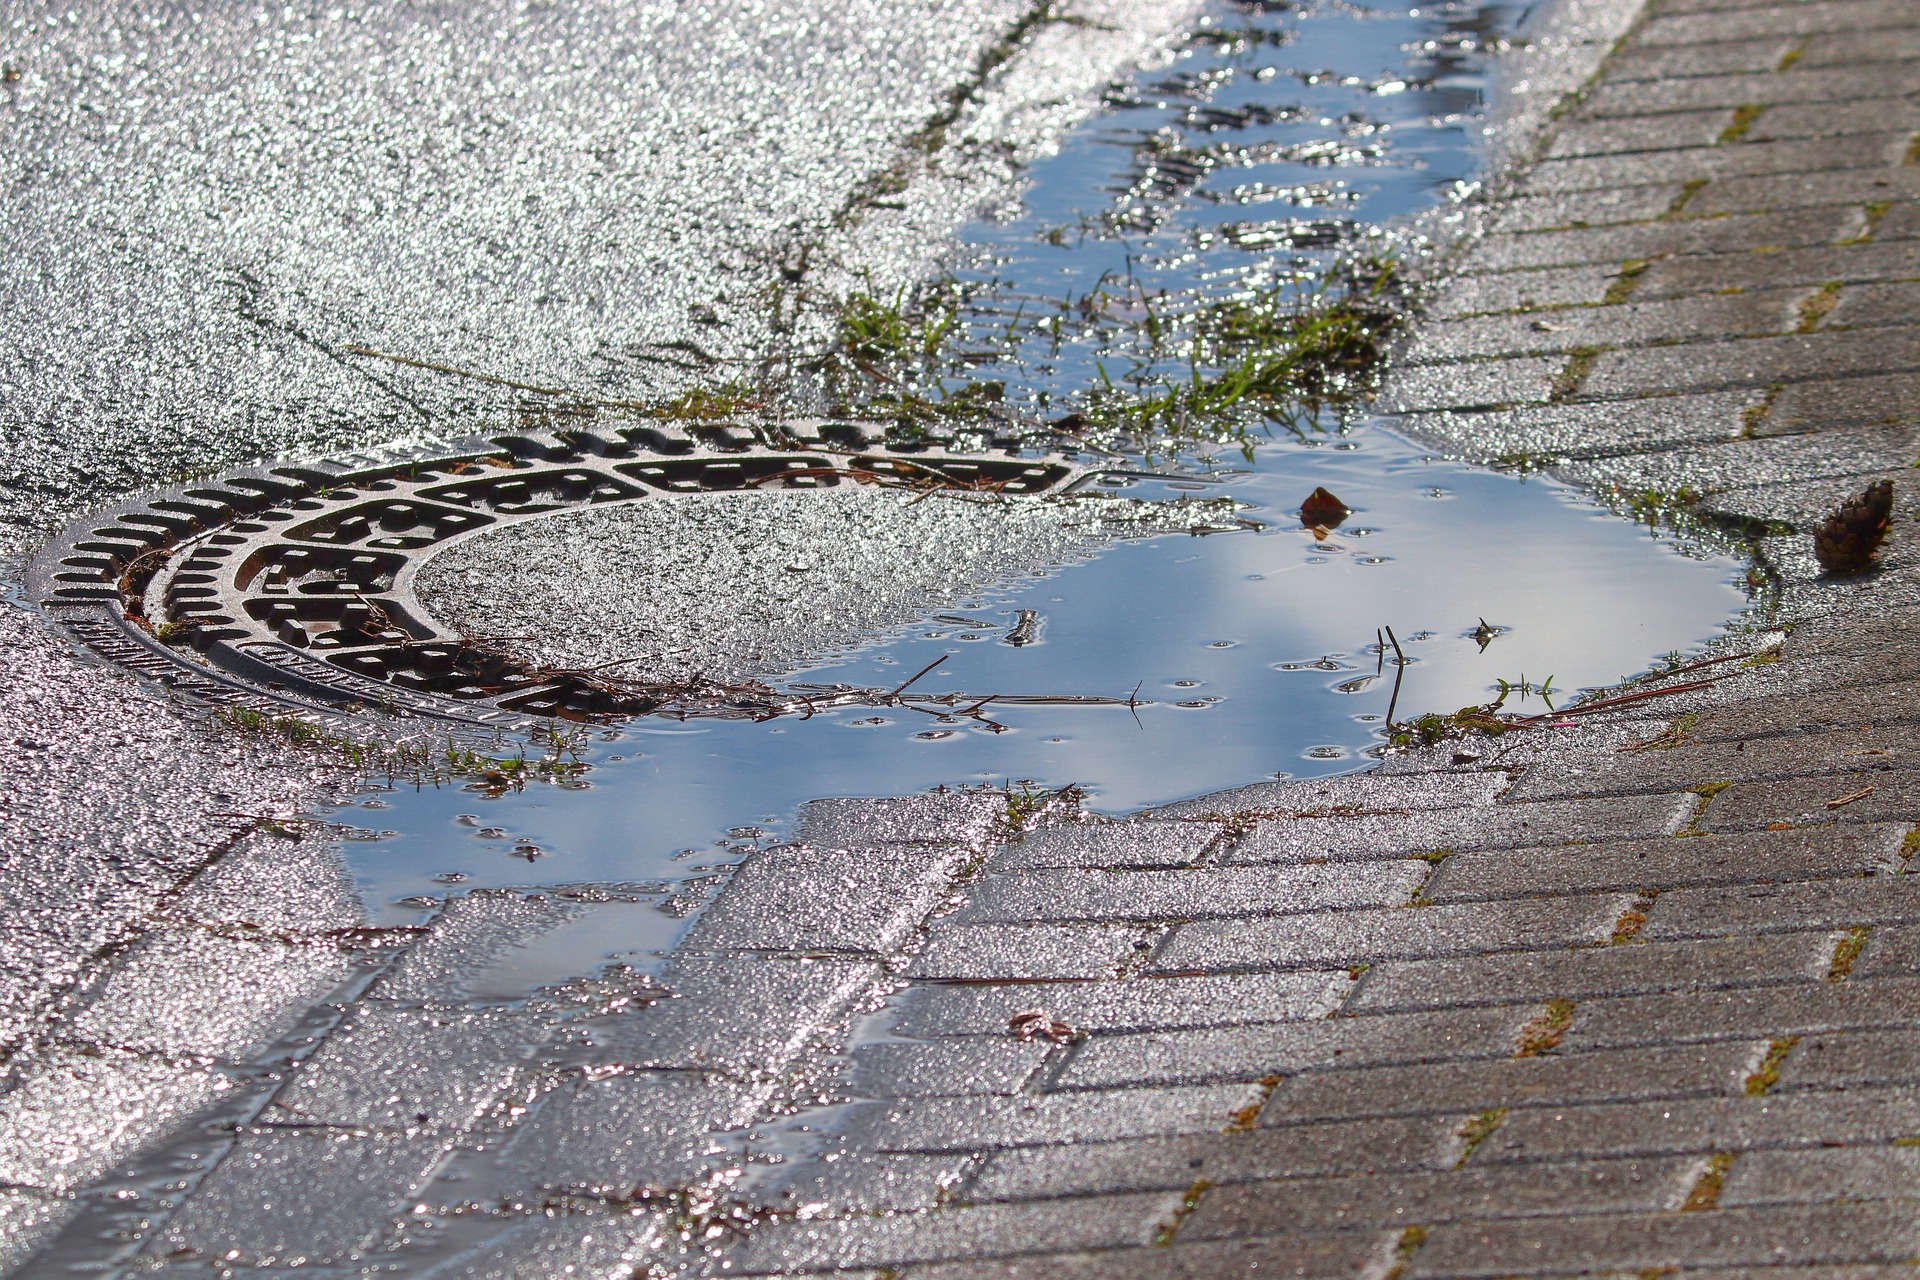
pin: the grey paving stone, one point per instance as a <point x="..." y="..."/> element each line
<point x="971" y="1124"/>
<point x="1479" y="384"/>
<point x="470" y="933"/>
<point x="1892" y="951"/>
<point x="1860" y="452"/>
<point x="1902" y="222"/>
<point x="288" y="1198"/>
<point x="1761" y="908"/>
<point x="1320" y="1257"/>
<point x="1731" y="1237"/>
<point x="867" y="1184"/>
<point x="1631" y="324"/>
<point x="28" y="1219"/>
<point x="1668" y="863"/>
<point x="1640" y="133"/>
<point x="1532" y="976"/>
<point x="1712" y="273"/>
<point x="1884" y="629"/>
<point x="1771" y="20"/>
<point x="1789" y="1177"/>
<point x="1143" y="1164"/>
<point x="1745" y="1013"/>
<point x="1525" y="290"/>
<point x="1862" y="1271"/>
<point x="188" y="991"/>
<point x="802" y="898"/>
<point x="1721" y="57"/>
<point x="951" y="1065"/>
<point x="1139" y="1004"/>
<point x="1836" y="751"/>
<point x="401" y="1068"/>
<point x="577" y="1243"/>
<point x="940" y="1234"/>
<point x="749" y="1016"/>
<point x="1788" y="191"/>
<point x="1108" y="845"/>
<point x="627" y="1131"/>
<point x="1857" y="151"/>
<point x="956" y="818"/>
<point x="68" y="1116"/>
<point x="1827" y="84"/>
<point x="1846" y="1060"/>
<point x="1875" y="304"/>
<point x="1676" y="1125"/>
<point x="1846" y="48"/>
<point x="1499" y="826"/>
<point x="1044" y="951"/>
<point x="1881" y="704"/>
<point x="1361" y="792"/>
<point x="1816" y="225"/>
<point x="1895" y="796"/>
<point x="298" y="887"/>
<point x="1592" y="429"/>
<point x="1251" y="1053"/>
<point x="1828" y="119"/>
<point x="1665" y="1071"/>
<point x="1664" y="7"/>
<point x="1369" y="937"/>
<point x="1803" y="505"/>
<point x="1586" y="209"/>
<point x="1403" y="1199"/>
<point x="1752" y="361"/>
<point x="1205" y="893"/>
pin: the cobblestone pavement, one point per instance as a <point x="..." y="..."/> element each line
<point x="1640" y="995"/>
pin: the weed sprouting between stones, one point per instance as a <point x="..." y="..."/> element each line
<point x="1174" y="368"/>
<point x="421" y="763"/>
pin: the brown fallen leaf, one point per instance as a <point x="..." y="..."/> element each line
<point x="1322" y="513"/>
<point x="1038" y="1024"/>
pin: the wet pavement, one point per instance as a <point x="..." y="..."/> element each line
<point x="1478" y="1013"/>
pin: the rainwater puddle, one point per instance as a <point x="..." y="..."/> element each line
<point x="1275" y="136"/>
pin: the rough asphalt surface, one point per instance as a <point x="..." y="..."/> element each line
<point x="1635" y="996"/>
<point x="224" y="246"/>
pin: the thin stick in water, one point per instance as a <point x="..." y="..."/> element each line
<point x="1399" y="671"/>
<point x="916" y="675"/>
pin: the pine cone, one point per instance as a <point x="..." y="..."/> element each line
<point x="1851" y="537"/>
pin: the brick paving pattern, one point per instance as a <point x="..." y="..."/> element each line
<point x="1640" y="996"/>
<point x="1645" y="1011"/>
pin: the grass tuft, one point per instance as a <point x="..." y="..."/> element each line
<point x="1544" y="1033"/>
<point x="1705" y="1193"/>
<point x="1768" y="1073"/>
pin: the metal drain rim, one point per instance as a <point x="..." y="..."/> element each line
<point x="222" y="589"/>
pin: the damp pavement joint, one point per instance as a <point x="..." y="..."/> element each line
<point x="1634" y="997"/>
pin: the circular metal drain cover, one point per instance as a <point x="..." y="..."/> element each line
<point x="288" y="588"/>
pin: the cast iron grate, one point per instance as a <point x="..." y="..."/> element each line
<point x="288" y="588"/>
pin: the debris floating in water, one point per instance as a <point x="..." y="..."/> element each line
<point x="1322" y="513"/>
<point x="1850" y="539"/>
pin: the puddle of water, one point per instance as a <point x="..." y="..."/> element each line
<point x="1253" y="654"/>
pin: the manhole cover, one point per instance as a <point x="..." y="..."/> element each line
<point x="292" y="587"/>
